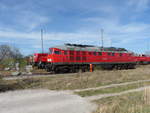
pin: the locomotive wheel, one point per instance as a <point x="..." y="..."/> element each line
<point x="56" y="70"/>
<point x="126" y="66"/>
<point x="108" y="67"/>
<point x="119" y="67"/>
<point x="62" y="69"/>
<point x="131" y="66"/>
<point x="83" y="69"/>
<point x="47" y="69"/>
<point x="123" y="66"/>
<point x="75" y="69"/>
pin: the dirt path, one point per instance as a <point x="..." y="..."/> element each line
<point x="111" y="85"/>
<point x="46" y="101"/>
<point x="91" y="98"/>
<point x="43" y="101"/>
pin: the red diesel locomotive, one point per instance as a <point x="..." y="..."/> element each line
<point x="72" y="57"/>
<point x="143" y="59"/>
<point x="40" y="60"/>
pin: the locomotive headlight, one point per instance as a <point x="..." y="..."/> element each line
<point x="49" y="59"/>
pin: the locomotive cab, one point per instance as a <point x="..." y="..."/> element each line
<point x="54" y="58"/>
<point x="49" y="57"/>
<point x="54" y="55"/>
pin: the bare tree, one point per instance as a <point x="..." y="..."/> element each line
<point x="7" y="51"/>
<point x="16" y="53"/>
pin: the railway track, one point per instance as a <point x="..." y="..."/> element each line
<point x="34" y="75"/>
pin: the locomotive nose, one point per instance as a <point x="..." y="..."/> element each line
<point x="49" y="60"/>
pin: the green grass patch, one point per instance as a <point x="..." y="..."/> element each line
<point x="112" y="90"/>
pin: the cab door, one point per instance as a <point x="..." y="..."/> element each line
<point x="57" y="53"/>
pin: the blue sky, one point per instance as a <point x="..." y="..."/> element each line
<point x="126" y="23"/>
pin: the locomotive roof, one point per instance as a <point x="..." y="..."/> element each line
<point x="79" y="47"/>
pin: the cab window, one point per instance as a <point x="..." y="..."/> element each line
<point x="57" y="52"/>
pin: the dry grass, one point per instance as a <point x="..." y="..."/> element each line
<point x="5" y="73"/>
<point x="130" y="103"/>
<point x="147" y="96"/>
<point x="96" y="78"/>
<point x="116" y="89"/>
<point x="36" y="70"/>
<point x="88" y="79"/>
<point x="18" y="84"/>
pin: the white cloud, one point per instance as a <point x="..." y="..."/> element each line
<point x="120" y="34"/>
<point x="139" y="5"/>
<point x="21" y="17"/>
<point x="19" y="35"/>
<point x="113" y="30"/>
<point x="31" y="20"/>
<point x="135" y="28"/>
<point x="115" y="20"/>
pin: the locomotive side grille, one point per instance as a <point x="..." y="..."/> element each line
<point x="71" y="58"/>
<point x="78" y="52"/>
<point x="71" y="52"/>
<point x="84" y="58"/>
<point x="78" y="58"/>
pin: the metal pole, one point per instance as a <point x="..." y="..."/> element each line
<point x="110" y="43"/>
<point x="42" y="40"/>
<point x="102" y="38"/>
<point x="148" y="45"/>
